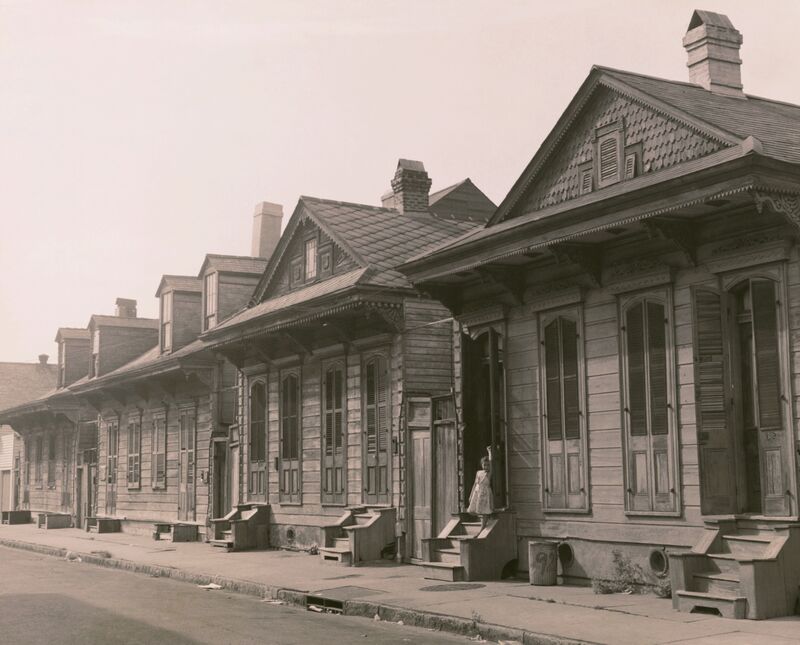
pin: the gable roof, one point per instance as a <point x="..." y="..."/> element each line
<point x="24" y="382"/>
<point x="729" y="120"/>
<point x="375" y="237"/>
<point x="71" y="333"/>
<point x="232" y="264"/>
<point x="186" y="283"/>
<point x="100" y="320"/>
<point x="462" y="201"/>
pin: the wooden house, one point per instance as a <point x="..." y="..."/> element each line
<point x="340" y="358"/>
<point x="19" y="384"/>
<point x="630" y="322"/>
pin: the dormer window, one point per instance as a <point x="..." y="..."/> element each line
<point x="210" y="291"/>
<point x="608" y="153"/>
<point x="61" y="370"/>
<point x="95" y="365"/>
<point x="311" y="259"/>
<point x="166" y="321"/>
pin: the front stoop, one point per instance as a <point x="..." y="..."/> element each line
<point x="245" y="527"/>
<point x="361" y="534"/>
<point x="741" y="568"/>
<point x="462" y="551"/>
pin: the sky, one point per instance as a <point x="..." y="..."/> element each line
<point x="135" y="137"/>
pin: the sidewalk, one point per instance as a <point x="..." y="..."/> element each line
<point x="512" y="609"/>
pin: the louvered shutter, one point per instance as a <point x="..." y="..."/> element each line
<point x="657" y="354"/>
<point x="341" y="404"/>
<point x="382" y="404"/>
<point x="710" y="365"/>
<point x="569" y="355"/>
<point x="553" y="378"/>
<point x="765" y="324"/>
<point x="586" y="181"/>
<point x="371" y="411"/>
<point x="637" y="392"/>
<point x="630" y="166"/>
<point x="609" y="162"/>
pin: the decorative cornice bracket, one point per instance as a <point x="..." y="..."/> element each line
<point x="588" y="257"/>
<point x="679" y="232"/>
<point x="783" y="204"/>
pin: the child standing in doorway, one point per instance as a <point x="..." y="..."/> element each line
<point x="480" y="499"/>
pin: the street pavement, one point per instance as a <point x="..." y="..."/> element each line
<point x="507" y="609"/>
<point x="48" y="601"/>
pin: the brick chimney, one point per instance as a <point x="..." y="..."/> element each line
<point x="712" y="43"/>
<point x="410" y="188"/>
<point x="43" y="359"/>
<point x="266" y="229"/>
<point x="126" y="308"/>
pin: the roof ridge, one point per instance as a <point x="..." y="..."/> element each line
<point x="229" y="256"/>
<point x="35" y="364"/>
<point x="342" y="203"/>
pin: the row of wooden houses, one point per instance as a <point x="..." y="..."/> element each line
<point x="622" y="331"/>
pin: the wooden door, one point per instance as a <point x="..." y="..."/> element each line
<point x="376" y="419"/>
<point x="334" y="422"/>
<point x="233" y="493"/>
<point x="418" y="415"/>
<point x="712" y="397"/>
<point x="79" y="501"/>
<point x="445" y="470"/>
<point x="186" y="465"/>
<point x="257" y="452"/>
<point x="219" y="488"/>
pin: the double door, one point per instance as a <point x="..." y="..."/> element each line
<point x="186" y="462"/>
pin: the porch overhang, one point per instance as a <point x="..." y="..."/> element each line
<point x="733" y="174"/>
<point x="42" y="411"/>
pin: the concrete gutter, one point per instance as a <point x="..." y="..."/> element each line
<point x="297" y="597"/>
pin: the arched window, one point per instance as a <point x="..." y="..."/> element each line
<point x="258" y="414"/>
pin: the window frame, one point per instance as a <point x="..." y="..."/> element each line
<point x="665" y="297"/>
<point x="610" y="132"/>
<point x="52" y="451"/>
<point x="292" y="496"/>
<point x="575" y="314"/>
<point x="38" y="456"/>
<point x="254" y="470"/>
<point x="94" y="364"/>
<point x="310" y="259"/>
<point x="167" y="310"/>
<point x="158" y="483"/>
<point x="134" y="457"/>
<point x="329" y="497"/>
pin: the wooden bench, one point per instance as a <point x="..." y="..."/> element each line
<point x="177" y="531"/>
<point x="54" y="521"/>
<point x="16" y="517"/>
<point x="103" y="525"/>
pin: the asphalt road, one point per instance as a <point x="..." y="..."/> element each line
<point x="51" y="601"/>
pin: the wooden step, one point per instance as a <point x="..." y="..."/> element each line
<point x="743" y="546"/>
<point x="363" y="518"/>
<point x="717" y="583"/>
<point x="443" y="571"/>
<point x="223" y="544"/>
<point x="451" y="556"/>
<point x="338" y="555"/>
<point x="697" y="601"/>
<point x="471" y="528"/>
<point x="342" y="542"/>
<point x="723" y="562"/>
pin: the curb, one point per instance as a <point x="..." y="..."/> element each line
<point x="297" y="598"/>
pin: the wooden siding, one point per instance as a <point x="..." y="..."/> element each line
<point x="233" y="293"/>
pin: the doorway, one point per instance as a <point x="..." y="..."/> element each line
<point x="220" y="505"/>
<point x="742" y="438"/>
<point x="484" y="409"/>
<point x="186" y="460"/>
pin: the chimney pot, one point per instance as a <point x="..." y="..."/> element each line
<point x="712" y="44"/>
<point x="410" y="188"/>
<point x="266" y="229"/>
<point x="43" y="359"/>
<point x="126" y="308"/>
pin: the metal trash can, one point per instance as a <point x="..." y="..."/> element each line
<point x="542" y="562"/>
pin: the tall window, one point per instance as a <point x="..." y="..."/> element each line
<point x="166" y="321"/>
<point x="158" y="457"/>
<point x="95" y="364"/>
<point x="565" y="483"/>
<point x="649" y="411"/>
<point x="311" y="259"/>
<point x="51" y="460"/>
<point x="290" y="438"/>
<point x="258" y="438"/>
<point x="334" y="420"/>
<point x="39" y="455"/>
<point x="376" y="430"/>
<point x="211" y="283"/>
<point x="28" y="458"/>
<point x="113" y="448"/>
<point x="134" y="451"/>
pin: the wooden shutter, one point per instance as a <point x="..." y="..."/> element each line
<point x="709" y="361"/>
<point x="371" y="405"/>
<point x="765" y="332"/>
<point x="553" y="381"/>
<point x="637" y="388"/>
<point x="382" y="403"/>
<point x="258" y="406"/>
<point x="569" y="358"/>
<point x="657" y="363"/>
<point x="630" y="165"/>
<point x="586" y="181"/>
<point x="609" y="162"/>
<point x="341" y="405"/>
<point x="330" y="414"/>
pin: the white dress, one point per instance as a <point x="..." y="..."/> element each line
<point x="480" y="499"/>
